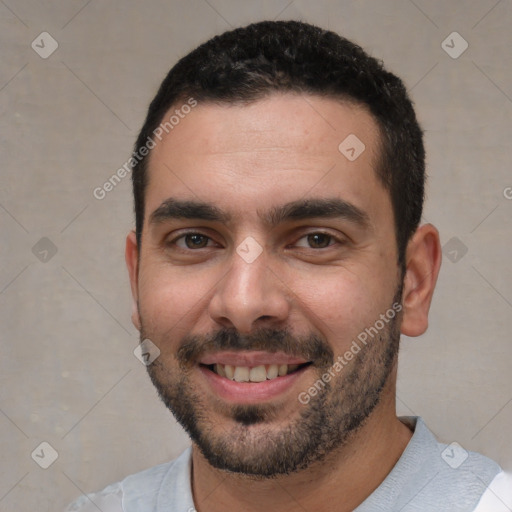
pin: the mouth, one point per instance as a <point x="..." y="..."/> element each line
<point x="260" y="373"/>
<point x="252" y="377"/>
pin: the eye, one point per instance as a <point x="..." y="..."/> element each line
<point x="317" y="240"/>
<point x="192" y="241"/>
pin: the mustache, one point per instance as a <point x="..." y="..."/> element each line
<point x="311" y="347"/>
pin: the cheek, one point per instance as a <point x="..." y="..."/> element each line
<point x="341" y="304"/>
<point x="170" y="300"/>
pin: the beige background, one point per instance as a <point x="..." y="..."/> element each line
<point x="68" y="373"/>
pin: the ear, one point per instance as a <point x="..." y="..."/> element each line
<point x="423" y="261"/>
<point x="132" y="262"/>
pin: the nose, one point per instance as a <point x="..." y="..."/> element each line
<point x="250" y="296"/>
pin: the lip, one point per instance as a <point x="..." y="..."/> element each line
<point x="251" y="359"/>
<point x="250" y="392"/>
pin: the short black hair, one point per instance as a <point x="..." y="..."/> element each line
<point x="247" y="64"/>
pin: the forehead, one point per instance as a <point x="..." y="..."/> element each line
<point x="306" y="123"/>
<point x="277" y="149"/>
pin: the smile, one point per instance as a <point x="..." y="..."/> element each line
<point x="259" y="373"/>
<point x="251" y="377"/>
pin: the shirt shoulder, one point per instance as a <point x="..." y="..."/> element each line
<point x="433" y="477"/>
<point x="109" y="499"/>
<point x="152" y="490"/>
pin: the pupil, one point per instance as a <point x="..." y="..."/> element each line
<point x="196" y="240"/>
<point x="319" y="240"/>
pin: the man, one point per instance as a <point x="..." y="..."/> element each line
<point x="277" y="256"/>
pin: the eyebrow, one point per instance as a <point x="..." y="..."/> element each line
<point x="301" y="209"/>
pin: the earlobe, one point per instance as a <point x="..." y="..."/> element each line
<point x="423" y="261"/>
<point x="132" y="264"/>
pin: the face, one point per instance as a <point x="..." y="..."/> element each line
<point x="266" y="257"/>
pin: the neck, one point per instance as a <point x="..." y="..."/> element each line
<point x="346" y="476"/>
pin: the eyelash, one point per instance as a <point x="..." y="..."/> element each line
<point x="333" y="240"/>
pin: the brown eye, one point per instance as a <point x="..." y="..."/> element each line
<point x="191" y="241"/>
<point x="319" y="240"/>
<point x="195" y="241"/>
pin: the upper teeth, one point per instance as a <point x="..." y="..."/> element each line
<point x="254" y="374"/>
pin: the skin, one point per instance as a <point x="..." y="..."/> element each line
<point x="247" y="160"/>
